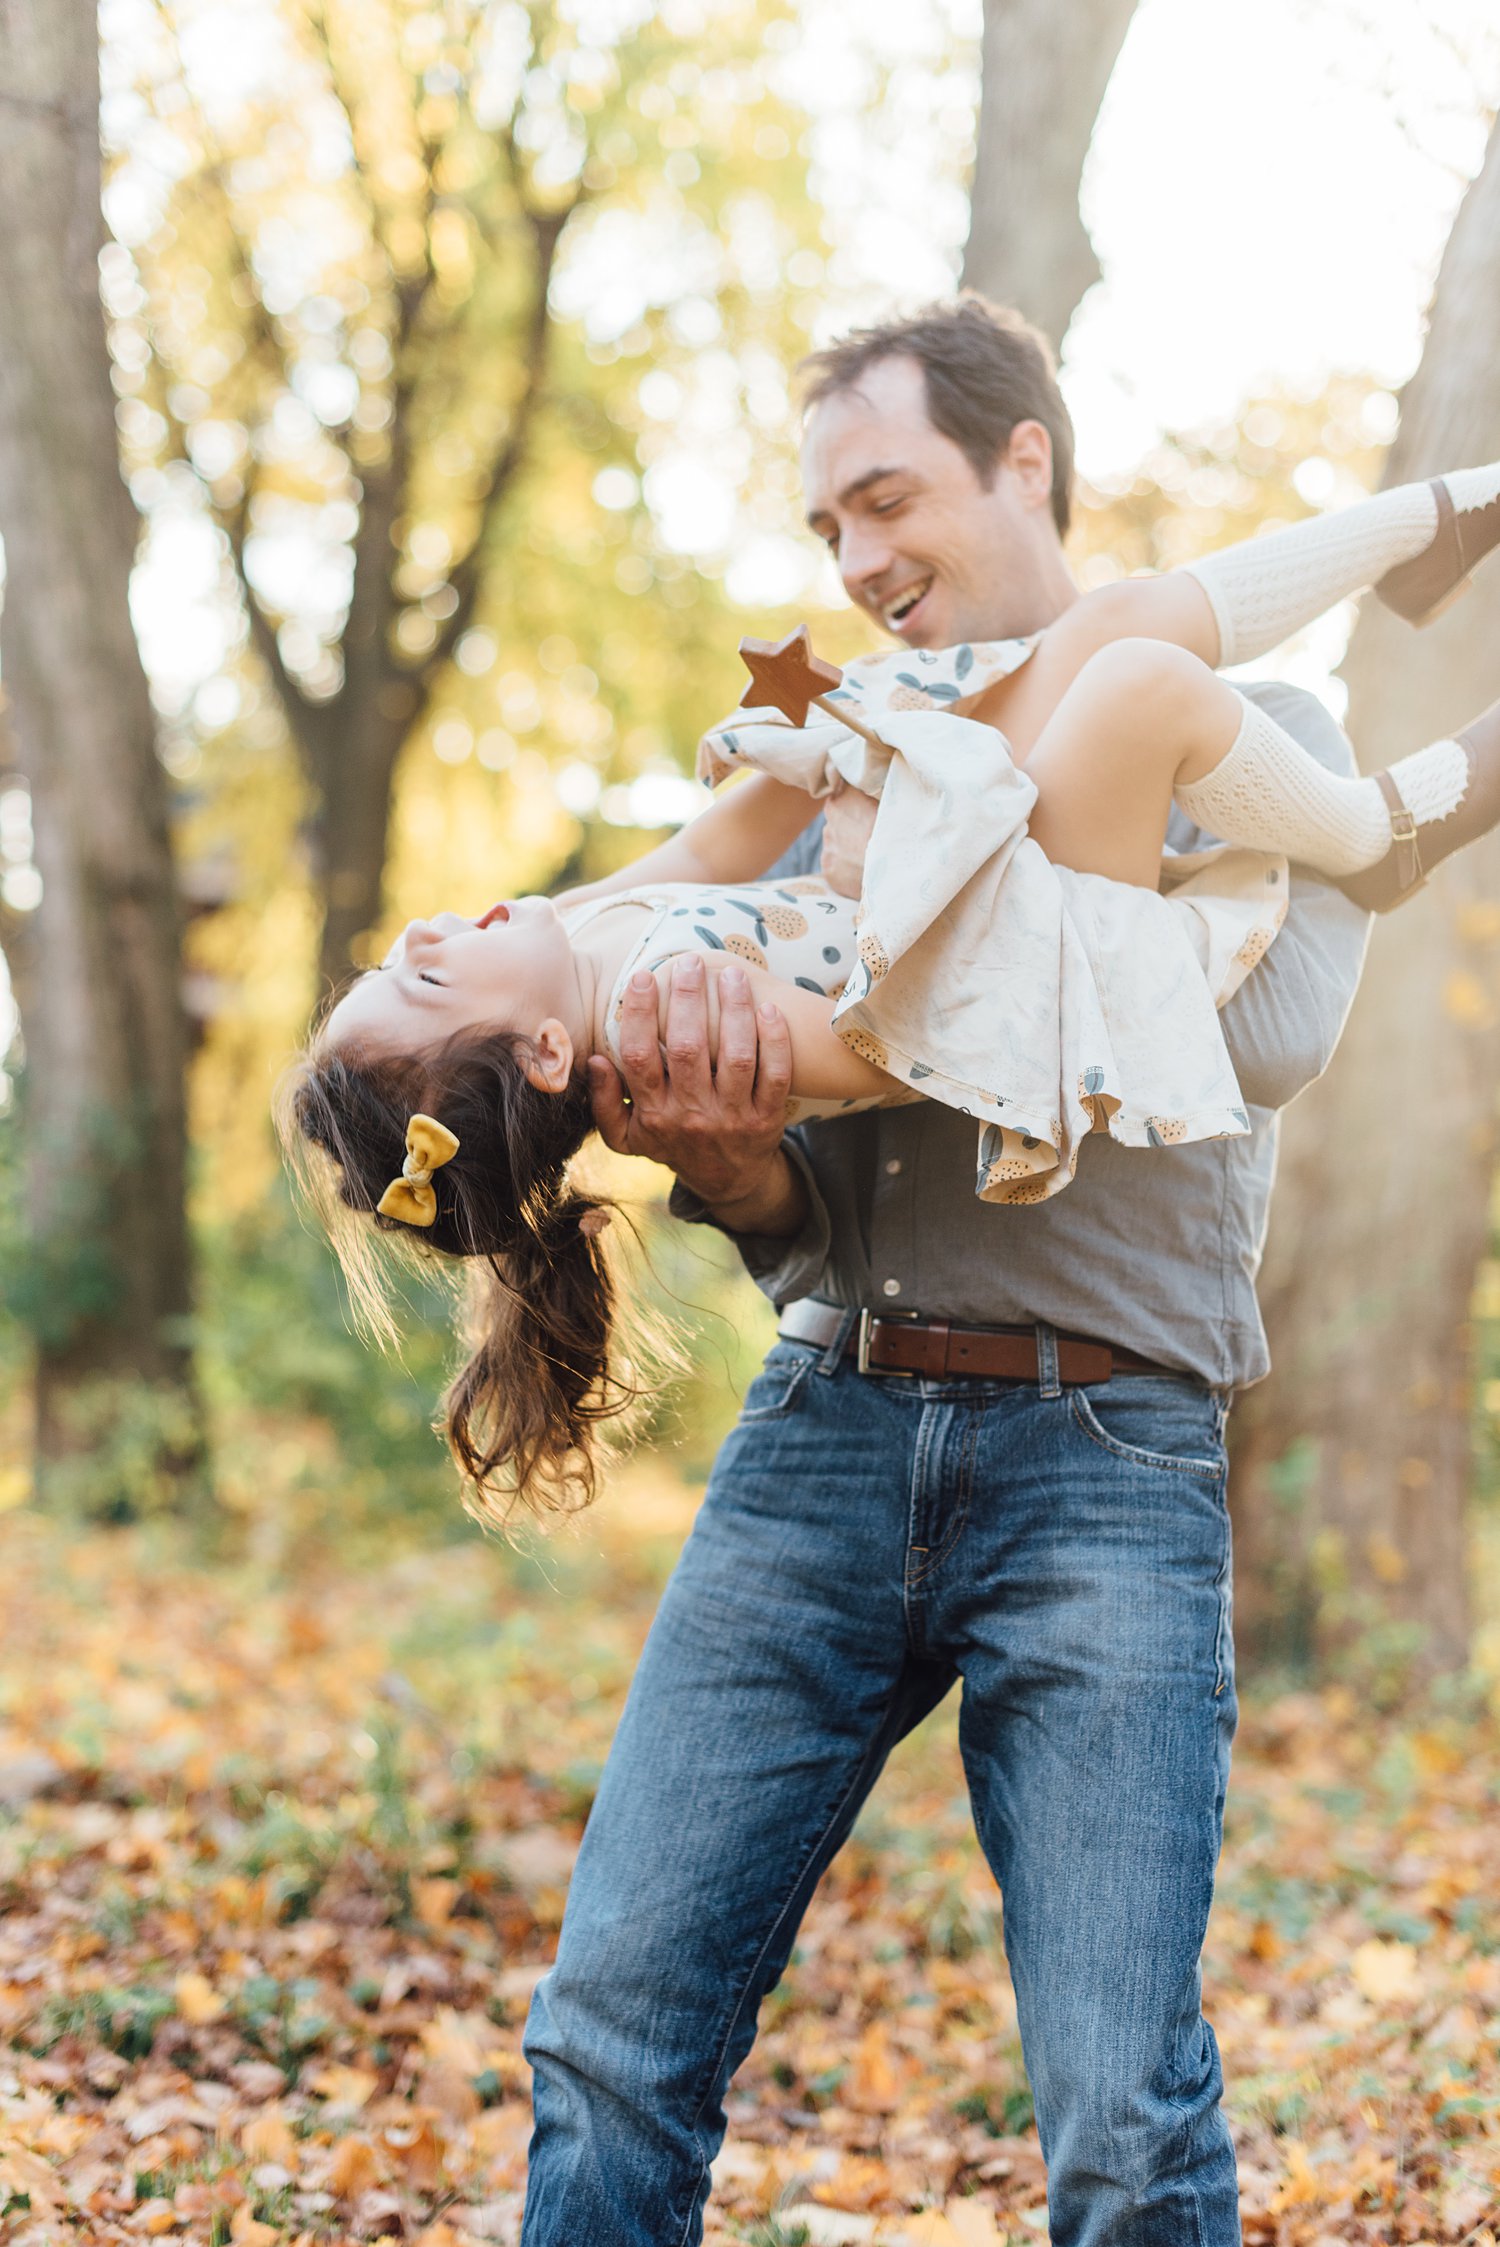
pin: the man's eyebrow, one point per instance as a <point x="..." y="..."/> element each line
<point x="860" y="484"/>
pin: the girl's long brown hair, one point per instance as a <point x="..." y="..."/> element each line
<point x="521" y="1415"/>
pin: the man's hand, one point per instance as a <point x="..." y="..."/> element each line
<point x="719" y="1128"/>
<point x="848" y="824"/>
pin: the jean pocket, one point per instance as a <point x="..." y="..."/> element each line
<point x="773" y="1392"/>
<point x="1167" y="1425"/>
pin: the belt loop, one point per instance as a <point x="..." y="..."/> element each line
<point x="1046" y="1360"/>
<point x="829" y="1362"/>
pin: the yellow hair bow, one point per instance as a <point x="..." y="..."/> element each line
<point x="410" y="1197"/>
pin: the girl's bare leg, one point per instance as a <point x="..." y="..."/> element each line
<point x="1245" y="599"/>
<point x="1173" y="609"/>
<point x="1144" y="724"/>
<point x="1138" y="720"/>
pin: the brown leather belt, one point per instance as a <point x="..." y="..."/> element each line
<point x="939" y="1349"/>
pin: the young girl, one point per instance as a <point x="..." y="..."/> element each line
<point x="1012" y="955"/>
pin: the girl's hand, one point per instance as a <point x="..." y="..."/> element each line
<point x="848" y="824"/>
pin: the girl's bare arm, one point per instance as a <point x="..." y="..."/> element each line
<point x="823" y="1067"/>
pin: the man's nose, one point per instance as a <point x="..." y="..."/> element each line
<point x="864" y="557"/>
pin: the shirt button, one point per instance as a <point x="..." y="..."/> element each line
<point x="891" y="1287"/>
<point x="893" y="1167"/>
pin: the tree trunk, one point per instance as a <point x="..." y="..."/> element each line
<point x="1045" y="66"/>
<point x="1354" y="1462"/>
<point x="103" y="1099"/>
<point x="349" y="827"/>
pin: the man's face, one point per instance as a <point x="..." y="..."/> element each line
<point x="921" y="545"/>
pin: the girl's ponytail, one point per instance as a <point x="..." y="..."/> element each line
<point x="523" y="1413"/>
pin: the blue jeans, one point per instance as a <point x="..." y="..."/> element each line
<point x="865" y="1541"/>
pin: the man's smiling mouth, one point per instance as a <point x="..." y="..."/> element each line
<point x="897" y="611"/>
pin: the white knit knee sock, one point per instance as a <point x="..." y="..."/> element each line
<point x="1269" y="794"/>
<point x="1268" y="587"/>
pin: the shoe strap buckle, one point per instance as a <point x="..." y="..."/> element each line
<point x="1405" y="843"/>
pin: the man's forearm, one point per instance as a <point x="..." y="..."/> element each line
<point x="775" y="1209"/>
<point x="734" y="840"/>
<point x="672" y="861"/>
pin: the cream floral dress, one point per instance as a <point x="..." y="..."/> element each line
<point x="1045" y="1003"/>
<point x="801" y="930"/>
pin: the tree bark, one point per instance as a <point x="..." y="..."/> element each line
<point x="350" y="825"/>
<point x="1354" y="1462"/>
<point x="349" y="745"/>
<point x="103" y="1101"/>
<point x="1045" y="65"/>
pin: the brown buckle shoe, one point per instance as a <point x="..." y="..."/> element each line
<point x="1418" y="847"/>
<point x="1420" y="590"/>
<point x="1394" y="878"/>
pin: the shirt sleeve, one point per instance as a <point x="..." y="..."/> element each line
<point x="782" y="1269"/>
<point x="1283" y="1023"/>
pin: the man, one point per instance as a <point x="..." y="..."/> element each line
<point x="989" y="1450"/>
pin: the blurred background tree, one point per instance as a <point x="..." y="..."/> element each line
<point x="105" y="1290"/>
<point x="427" y="334"/>
<point x="392" y="309"/>
<point x="1045" y="67"/>
<point x="1356" y="1465"/>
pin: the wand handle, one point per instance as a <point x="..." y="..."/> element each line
<point x="866" y="733"/>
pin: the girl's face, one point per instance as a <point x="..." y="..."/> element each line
<point x="512" y="969"/>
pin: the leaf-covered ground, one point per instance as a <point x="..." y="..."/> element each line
<point x="279" y="1869"/>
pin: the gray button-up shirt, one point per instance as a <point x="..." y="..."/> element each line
<point x="1154" y="1249"/>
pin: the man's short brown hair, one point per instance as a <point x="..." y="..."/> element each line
<point x="985" y="370"/>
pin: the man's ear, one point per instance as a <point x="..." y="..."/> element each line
<point x="549" y="1064"/>
<point x="1028" y="456"/>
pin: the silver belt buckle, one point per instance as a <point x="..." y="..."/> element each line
<point x="862" y="1363"/>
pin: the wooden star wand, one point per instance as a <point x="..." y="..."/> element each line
<point x="787" y="675"/>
